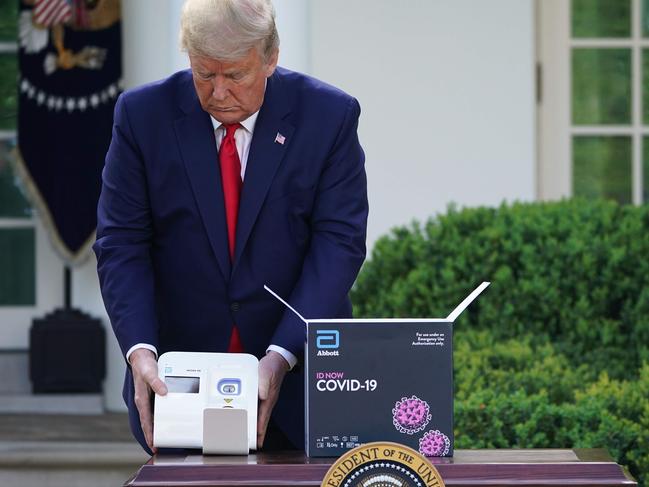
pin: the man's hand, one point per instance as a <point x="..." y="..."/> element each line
<point x="272" y="369"/>
<point x="145" y="378"/>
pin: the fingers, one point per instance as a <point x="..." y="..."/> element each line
<point x="272" y="368"/>
<point x="146" y="415"/>
<point x="158" y="386"/>
<point x="146" y="422"/>
<point x="148" y="370"/>
<point x="268" y="394"/>
<point x="264" y="383"/>
<point x="143" y="404"/>
<point x="263" y="416"/>
<point x="145" y="379"/>
<point x="265" y="408"/>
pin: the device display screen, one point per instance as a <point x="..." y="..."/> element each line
<point x="187" y="385"/>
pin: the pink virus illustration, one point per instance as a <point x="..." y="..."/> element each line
<point x="410" y="415"/>
<point x="434" y="444"/>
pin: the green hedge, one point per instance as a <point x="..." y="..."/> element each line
<point x="574" y="273"/>
<point x="554" y="353"/>
<point x="511" y="394"/>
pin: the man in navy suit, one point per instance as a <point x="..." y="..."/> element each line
<point x="218" y="180"/>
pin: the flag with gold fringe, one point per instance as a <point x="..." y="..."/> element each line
<point x="70" y="70"/>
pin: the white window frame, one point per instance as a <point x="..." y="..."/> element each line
<point x="554" y="47"/>
<point x="15" y="321"/>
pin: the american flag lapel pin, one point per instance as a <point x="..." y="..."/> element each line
<point x="280" y="139"/>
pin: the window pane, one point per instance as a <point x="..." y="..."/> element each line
<point x="8" y="91"/>
<point x="17" y="267"/>
<point x="601" y="18"/>
<point x="601" y="86"/>
<point x="645" y="86"/>
<point x="12" y="201"/>
<point x="8" y="20"/>
<point x="645" y="169"/>
<point x="645" y="18"/>
<point x="602" y="167"/>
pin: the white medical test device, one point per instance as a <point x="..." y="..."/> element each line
<point x="211" y="402"/>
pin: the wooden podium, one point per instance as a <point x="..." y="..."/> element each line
<point x="468" y="468"/>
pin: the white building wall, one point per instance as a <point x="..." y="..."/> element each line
<point x="446" y="88"/>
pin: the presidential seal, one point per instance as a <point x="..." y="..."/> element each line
<point x="382" y="464"/>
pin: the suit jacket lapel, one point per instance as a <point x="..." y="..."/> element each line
<point x="266" y="154"/>
<point x="195" y="135"/>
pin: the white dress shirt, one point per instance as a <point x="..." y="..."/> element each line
<point x="243" y="139"/>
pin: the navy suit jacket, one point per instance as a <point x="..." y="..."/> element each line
<point x="163" y="261"/>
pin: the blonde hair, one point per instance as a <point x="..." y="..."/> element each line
<point x="228" y="29"/>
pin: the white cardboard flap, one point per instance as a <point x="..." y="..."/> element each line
<point x="467" y="301"/>
<point x="452" y="317"/>
<point x="277" y="296"/>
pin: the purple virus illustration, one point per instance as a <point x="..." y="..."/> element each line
<point x="410" y="415"/>
<point x="434" y="444"/>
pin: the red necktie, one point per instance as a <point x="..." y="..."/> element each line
<point x="231" y="178"/>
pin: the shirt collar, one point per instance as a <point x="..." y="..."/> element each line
<point x="248" y="123"/>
